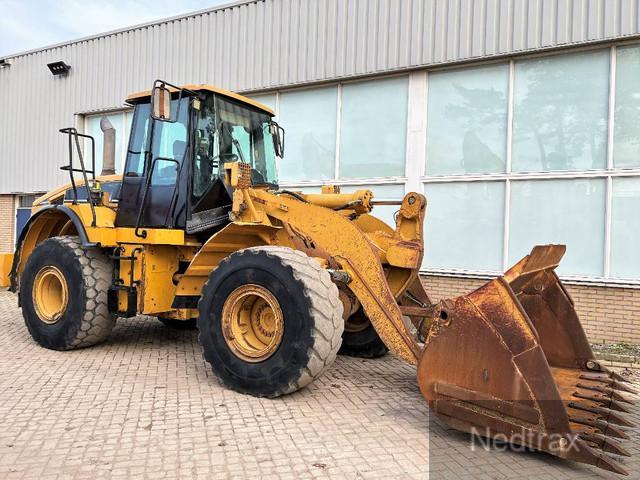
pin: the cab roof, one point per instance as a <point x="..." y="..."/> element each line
<point x="142" y="96"/>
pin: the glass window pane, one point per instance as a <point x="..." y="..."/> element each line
<point x="137" y="149"/>
<point x="244" y="135"/>
<point x="309" y="119"/>
<point x="169" y="144"/>
<point x="268" y="100"/>
<point x="92" y="125"/>
<point x="373" y="128"/>
<point x="570" y="212"/>
<point x="386" y="213"/>
<point x="128" y="120"/>
<point x="560" y="112"/>
<point x="467" y="121"/>
<point x="626" y="146"/>
<point x="464" y="225"/>
<point x="625" y="228"/>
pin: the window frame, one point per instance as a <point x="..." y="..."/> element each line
<point x="415" y="177"/>
<point x="509" y="176"/>
<point x="126" y="114"/>
<point x="336" y="180"/>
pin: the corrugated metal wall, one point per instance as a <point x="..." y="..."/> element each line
<point x="269" y="43"/>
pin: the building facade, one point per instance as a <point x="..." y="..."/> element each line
<point x="519" y="119"/>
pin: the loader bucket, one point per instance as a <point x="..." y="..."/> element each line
<point x="510" y="361"/>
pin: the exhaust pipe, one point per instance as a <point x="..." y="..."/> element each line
<point x="108" y="147"/>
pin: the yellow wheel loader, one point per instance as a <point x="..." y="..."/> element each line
<point x="197" y="231"/>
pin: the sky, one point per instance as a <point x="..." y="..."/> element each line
<point x="29" y="24"/>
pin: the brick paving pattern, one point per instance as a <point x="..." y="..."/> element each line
<point x="145" y="405"/>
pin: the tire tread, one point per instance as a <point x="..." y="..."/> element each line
<point x="325" y="308"/>
<point x="96" y="323"/>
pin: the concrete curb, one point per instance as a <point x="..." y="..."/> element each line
<point x="618" y="360"/>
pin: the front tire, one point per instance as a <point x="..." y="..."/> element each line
<point x="63" y="294"/>
<point x="270" y="321"/>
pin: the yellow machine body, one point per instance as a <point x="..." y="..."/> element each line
<point x="380" y="262"/>
<point x="510" y="356"/>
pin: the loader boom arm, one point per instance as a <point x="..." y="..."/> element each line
<point x="343" y="241"/>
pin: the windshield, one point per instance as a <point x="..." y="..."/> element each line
<point x="230" y="132"/>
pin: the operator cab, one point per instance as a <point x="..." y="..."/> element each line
<point x="180" y="140"/>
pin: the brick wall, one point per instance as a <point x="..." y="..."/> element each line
<point x="608" y="314"/>
<point x="7" y="220"/>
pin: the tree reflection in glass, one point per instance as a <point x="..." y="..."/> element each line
<point x="467" y="120"/>
<point x="560" y="112"/>
<point x="626" y="151"/>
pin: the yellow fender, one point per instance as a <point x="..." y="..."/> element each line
<point x="230" y="239"/>
<point x="45" y="223"/>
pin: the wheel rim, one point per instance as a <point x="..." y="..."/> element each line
<point x="252" y="323"/>
<point x="50" y="294"/>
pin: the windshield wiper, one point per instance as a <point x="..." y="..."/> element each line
<point x="236" y="143"/>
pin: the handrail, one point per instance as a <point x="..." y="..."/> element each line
<point x="143" y="233"/>
<point x="73" y="135"/>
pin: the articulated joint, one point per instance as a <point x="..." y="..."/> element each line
<point x="339" y="276"/>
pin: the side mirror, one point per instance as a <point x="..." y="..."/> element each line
<point x="277" y="133"/>
<point x="161" y="102"/>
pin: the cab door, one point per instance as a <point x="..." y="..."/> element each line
<point x="156" y="155"/>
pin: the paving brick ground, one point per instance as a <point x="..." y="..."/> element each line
<point x="144" y="405"/>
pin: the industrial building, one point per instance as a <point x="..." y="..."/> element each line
<point x="520" y="120"/>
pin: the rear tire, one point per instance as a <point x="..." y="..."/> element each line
<point x="360" y="339"/>
<point x="63" y="294"/>
<point x="303" y="316"/>
<point x="175" y="324"/>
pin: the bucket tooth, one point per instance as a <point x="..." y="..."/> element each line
<point x="584" y="453"/>
<point x="610" y="392"/>
<point x="612" y="417"/>
<point x="616" y="396"/>
<point x="604" y="400"/>
<point x="604" y="427"/>
<point x="604" y="414"/>
<point x="617" y="385"/>
<point x="607" y="463"/>
<point x="605" y="444"/>
<point x="618" y="377"/>
<point x="615" y="405"/>
<point x="612" y="380"/>
<point x="602" y="376"/>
